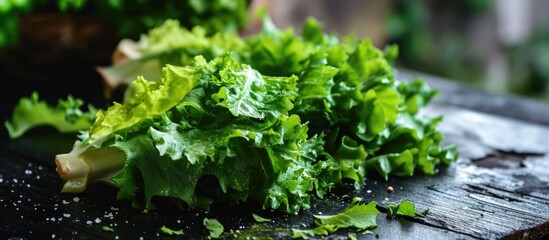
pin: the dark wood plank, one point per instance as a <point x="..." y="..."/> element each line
<point x="473" y="197"/>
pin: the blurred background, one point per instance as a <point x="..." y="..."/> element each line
<point x="496" y="45"/>
<point x="500" y="46"/>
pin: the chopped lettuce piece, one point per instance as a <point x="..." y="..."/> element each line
<point x="67" y="116"/>
<point x="169" y="231"/>
<point x="404" y="209"/>
<point x="107" y="229"/>
<point x="359" y="217"/>
<point x="214" y="227"/>
<point x="260" y="219"/>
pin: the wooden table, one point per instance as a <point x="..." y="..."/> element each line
<point x="498" y="189"/>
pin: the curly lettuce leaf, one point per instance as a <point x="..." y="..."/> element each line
<point x="149" y="98"/>
<point x="169" y="43"/>
<point x="245" y="92"/>
<point x="67" y="116"/>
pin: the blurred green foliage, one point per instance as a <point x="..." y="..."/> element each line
<point x="529" y="66"/>
<point x="131" y="18"/>
<point x="430" y="39"/>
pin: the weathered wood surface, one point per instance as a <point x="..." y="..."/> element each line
<point x="499" y="189"/>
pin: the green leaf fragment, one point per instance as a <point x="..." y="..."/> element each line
<point x="357" y="217"/>
<point x="214" y="227"/>
<point x="260" y="219"/>
<point x="392" y="208"/>
<point x="169" y="231"/>
<point x="352" y="236"/>
<point x="423" y="213"/>
<point x="404" y="209"/>
<point x="107" y="229"/>
<point x="323" y="230"/>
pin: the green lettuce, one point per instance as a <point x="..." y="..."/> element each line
<point x="207" y="144"/>
<point x="348" y="91"/>
<point x="274" y="117"/>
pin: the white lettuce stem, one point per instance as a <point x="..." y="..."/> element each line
<point x="85" y="165"/>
